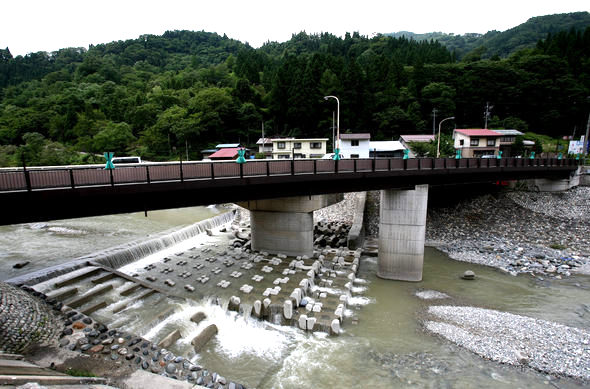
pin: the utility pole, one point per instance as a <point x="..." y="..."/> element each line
<point x="487" y="114"/>
<point x="433" y="121"/>
<point x="333" y="127"/>
<point x="586" y="138"/>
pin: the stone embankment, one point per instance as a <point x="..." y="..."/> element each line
<point x="25" y="321"/>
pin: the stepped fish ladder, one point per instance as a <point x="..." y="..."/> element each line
<point x="122" y="255"/>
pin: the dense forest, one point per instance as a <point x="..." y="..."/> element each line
<point x="503" y="43"/>
<point x="183" y="91"/>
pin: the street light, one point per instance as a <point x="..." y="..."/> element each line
<point x="438" y="143"/>
<point x="337" y="149"/>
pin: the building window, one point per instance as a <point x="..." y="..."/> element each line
<point x="507" y="139"/>
<point x="283" y="156"/>
<point x="297" y="145"/>
<point x="474" y="142"/>
<point x="354" y="142"/>
<point x="491" y="142"/>
<point x="461" y="142"/>
<point x="354" y="155"/>
<point x="315" y="145"/>
<point x="280" y="145"/>
<point x="316" y="155"/>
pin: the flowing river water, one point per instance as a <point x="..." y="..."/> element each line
<point x="383" y="344"/>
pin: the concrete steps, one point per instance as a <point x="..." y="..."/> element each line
<point x="14" y="370"/>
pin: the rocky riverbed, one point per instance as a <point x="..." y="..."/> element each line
<point x="544" y="234"/>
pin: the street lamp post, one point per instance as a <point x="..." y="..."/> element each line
<point x="438" y="143"/>
<point x="337" y="149"/>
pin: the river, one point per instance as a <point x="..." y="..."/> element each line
<point x="383" y="344"/>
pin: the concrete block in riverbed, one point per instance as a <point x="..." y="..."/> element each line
<point x="234" y="304"/>
<point x="303" y="322"/>
<point x="198" y="317"/>
<point x="201" y="340"/>
<point x="335" y="327"/>
<point x="288" y="309"/>
<point x="257" y="308"/>
<point x="170" y="339"/>
<point x="310" y="323"/>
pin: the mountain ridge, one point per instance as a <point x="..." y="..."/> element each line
<point x="504" y="43"/>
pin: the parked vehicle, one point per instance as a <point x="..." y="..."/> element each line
<point x="123" y="160"/>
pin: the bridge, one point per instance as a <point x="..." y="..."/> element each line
<point x="49" y="193"/>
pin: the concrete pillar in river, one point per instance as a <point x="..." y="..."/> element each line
<point x="285" y="225"/>
<point x="402" y="229"/>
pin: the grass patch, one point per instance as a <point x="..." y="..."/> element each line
<point x="79" y="373"/>
<point x="557" y="246"/>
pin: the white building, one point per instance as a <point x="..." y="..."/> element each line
<point x="265" y="147"/>
<point x="286" y="148"/>
<point x="386" y="149"/>
<point x="354" y="145"/>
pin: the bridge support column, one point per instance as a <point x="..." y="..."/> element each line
<point x="285" y="225"/>
<point x="402" y="230"/>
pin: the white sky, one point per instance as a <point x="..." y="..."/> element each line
<point x="42" y="25"/>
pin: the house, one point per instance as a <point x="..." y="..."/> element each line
<point x="265" y="147"/>
<point x="407" y="139"/>
<point x="208" y="153"/>
<point x="354" y="145"/>
<point x="475" y="143"/>
<point x="507" y="140"/>
<point x="386" y="149"/>
<point x="226" y="153"/>
<point x="286" y="148"/>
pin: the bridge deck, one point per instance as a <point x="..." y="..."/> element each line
<point x="38" y="194"/>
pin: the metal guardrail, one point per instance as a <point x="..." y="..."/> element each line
<point x="41" y="178"/>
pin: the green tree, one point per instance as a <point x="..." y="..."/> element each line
<point x="115" y="137"/>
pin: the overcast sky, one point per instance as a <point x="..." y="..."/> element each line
<point x="43" y="25"/>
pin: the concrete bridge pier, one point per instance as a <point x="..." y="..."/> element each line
<point x="285" y="225"/>
<point x="402" y="229"/>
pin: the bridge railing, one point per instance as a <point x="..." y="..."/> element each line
<point x="19" y="179"/>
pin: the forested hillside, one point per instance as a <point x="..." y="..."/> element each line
<point x="157" y="95"/>
<point x="502" y="44"/>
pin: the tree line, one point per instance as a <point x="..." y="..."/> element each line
<point x="183" y="91"/>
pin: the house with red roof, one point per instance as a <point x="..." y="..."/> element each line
<point x="475" y="143"/>
<point x="227" y="153"/>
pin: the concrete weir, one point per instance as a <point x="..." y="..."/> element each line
<point x="402" y="230"/>
<point x="285" y="225"/>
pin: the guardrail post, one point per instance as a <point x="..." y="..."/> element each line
<point x="433" y="163"/>
<point x="267" y="168"/>
<point x="315" y="166"/>
<point x="147" y="173"/>
<point x="419" y="163"/>
<point x="27" y="177"/>
<point x="336" y="166"/>
<point x="292" y="167"/>
<point x="112" y="177"/>
<point x="354" y="165"/>
<point x="405" y="164"/>
<point x="373" y="165"/>
<point x="212" y="171"/>
<point x="181" y="174"/>
<point x="241" y="170"/>
<point x="389" y="164"/>
<point x="72" y="178"/>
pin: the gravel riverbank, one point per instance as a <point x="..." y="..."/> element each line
<point x="545" y="234"/>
